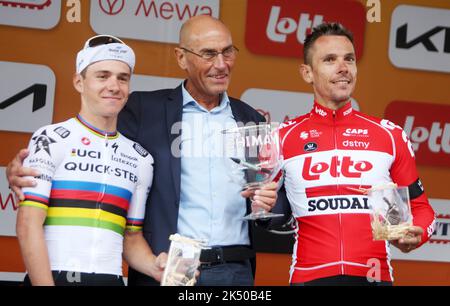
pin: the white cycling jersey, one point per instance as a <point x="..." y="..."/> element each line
<point x="94" y="186"/>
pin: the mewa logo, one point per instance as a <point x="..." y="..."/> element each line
<point x="152" y="20"/>
<point x="279" y="27"/>
<point x="8" y="199"/>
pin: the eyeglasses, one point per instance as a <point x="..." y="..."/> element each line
<point x="210" y="55"/>
<point x="102" y="40"/>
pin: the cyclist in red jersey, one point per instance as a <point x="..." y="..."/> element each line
<point x="329" y="154"/>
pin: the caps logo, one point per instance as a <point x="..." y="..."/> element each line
<point x="356" y="132"/>
<point x="279" y="27"/>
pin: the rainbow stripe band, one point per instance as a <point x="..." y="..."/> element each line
<point x="36" y="198"/>
<point x="133" y="228"/>
<point x="95" y="130"/>
<point x="84" y="222"/>
<point x="90" y="204"/>
<point x="33" y="204"/>
<point x="91" y="186"/>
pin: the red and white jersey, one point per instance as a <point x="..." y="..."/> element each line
<point x="328" y="154"/>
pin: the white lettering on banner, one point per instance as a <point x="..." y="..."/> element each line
<point x="28" y="94"/>
<point x="152" y="20"/>
<point x="8" y="207"/>
<point x="419" y="33"/>
<point x="278" y="28"/>
<point x="37" y="14"/>
<point x="421" y="134"/>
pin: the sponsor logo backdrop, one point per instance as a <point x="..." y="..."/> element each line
<point x="402" y="74"/>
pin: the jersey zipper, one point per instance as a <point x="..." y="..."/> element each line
<point x="341" y="243"/>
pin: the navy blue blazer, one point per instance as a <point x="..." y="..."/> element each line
<point x="148" y="118"/>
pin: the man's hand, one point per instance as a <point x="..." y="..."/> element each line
<point x="158" y="267"/>
<point x="15" y="173"/>
<point x="410" y="241"/>
<point x="263" y="198"/>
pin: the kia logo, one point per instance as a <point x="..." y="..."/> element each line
<point x="419" y="33"/>
<point x="424" y="39"/>
<point x="111" y="7"/>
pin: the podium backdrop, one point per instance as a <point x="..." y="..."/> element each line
<point x="403" y="54"/>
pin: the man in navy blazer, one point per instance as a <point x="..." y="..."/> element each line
<point x="175" y="204"/>
<point x="148" y="119"/>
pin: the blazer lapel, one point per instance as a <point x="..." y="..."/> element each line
<point x="237" y="114"/>
<point x="174" y="113"/>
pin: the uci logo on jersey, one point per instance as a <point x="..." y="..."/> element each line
<point x="310" y="147"/>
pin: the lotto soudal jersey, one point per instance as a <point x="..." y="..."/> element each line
<point x="93" y="186"/>
<point x="328" y="154"/>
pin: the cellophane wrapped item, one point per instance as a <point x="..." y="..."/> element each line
<point x="183" y="261"/>
<point x="391" y="213"/>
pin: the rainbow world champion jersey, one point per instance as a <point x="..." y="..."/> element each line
<point x="94" y="186"/>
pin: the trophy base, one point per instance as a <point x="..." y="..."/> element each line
<point x="262" y="215"/>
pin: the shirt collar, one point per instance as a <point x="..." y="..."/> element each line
<point x="324" y="113"/>
<point x="189" y="100"/>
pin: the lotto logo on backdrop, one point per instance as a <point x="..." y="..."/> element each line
<point x="279" y="27"/>
<point x="152" y="20"/>
<point x="428" y="128"/>
<point x="420" y="38"/>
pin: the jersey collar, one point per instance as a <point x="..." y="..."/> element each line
<point x="96" y="131"/>
<point x="323" y="113"/>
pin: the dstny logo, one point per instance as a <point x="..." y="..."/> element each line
<point x="420" y="38"/>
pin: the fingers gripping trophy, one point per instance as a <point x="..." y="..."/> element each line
<point x="253" y="158"/>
